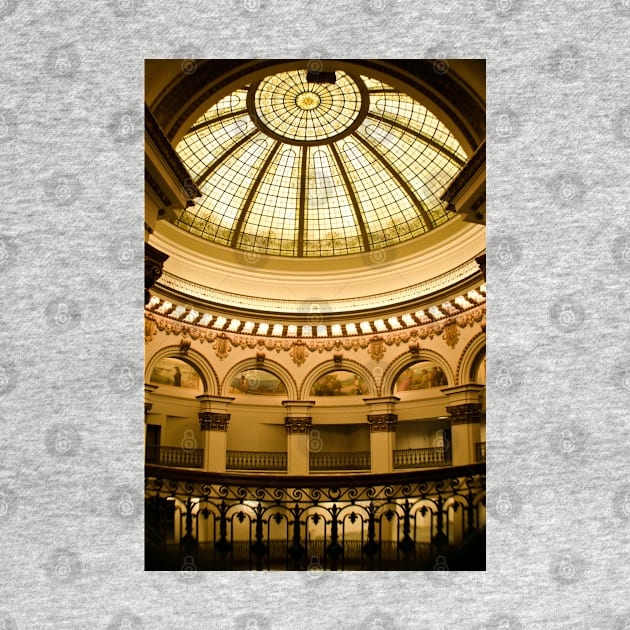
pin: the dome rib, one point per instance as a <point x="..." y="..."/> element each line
<point x="419" y="135"/>
<point x="252" y="193"/>
<point x="417" y="202"/>
<point x="353" y="198"/>
<point x="224" y="156"/>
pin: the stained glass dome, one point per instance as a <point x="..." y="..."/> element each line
<point x="291" y="167"/>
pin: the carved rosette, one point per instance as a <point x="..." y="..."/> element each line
<point x="382" y="422"/>
<point x="209" y="421"/>
<point x="469" y="413"/>
<point x="298" y="425"/>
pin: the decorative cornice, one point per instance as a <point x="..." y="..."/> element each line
<point x="466" y="174"/>
<point x="468" y="413"/>
<point x="298" y="425"/>
<point x="188" y="289"/>
<point x="155" y="323"/>
<point x="382" y="422"/>
<point x="157" y="189"/>
<point x="210" y="421"/>
<point x="156" y="134"/>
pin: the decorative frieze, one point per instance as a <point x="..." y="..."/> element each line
<point x="299" y="349"/>
<point x="382" y="422"/>
<point x="468" y="413"/>
<point x="210" y="421"/>
<point x="298" y="425"/>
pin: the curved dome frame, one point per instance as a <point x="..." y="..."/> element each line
<point x="375" y="183"/>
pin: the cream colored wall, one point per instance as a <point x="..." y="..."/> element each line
<point x="257" y="422"/>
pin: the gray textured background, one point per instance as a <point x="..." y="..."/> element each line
<point x="71" y="384"/>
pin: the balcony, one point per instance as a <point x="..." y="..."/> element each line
<point x="173" y="456"/>
<point x="322" y="462"/>
<point x="415" y="520"/>
<point x="256" y="460"/>
<point x="421" y="458"/>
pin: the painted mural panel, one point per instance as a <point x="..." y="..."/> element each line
<point x="257" y="383"/>
<point x="339" y="383"/>
<point x="422" y="375"/>
<point x="177" y="373"/>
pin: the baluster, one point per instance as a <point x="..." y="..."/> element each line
<point x="188" y="539"/>
<point x="406" y="545"/>
<point x="371" y="547"/>
<point x="470" y="515"/>
<point x="334" y="550"/>
<point x="296" y="550"/>
<point x="222" y="545"/>
<point x="259" y="549"/>
<point x="440" y="538"/>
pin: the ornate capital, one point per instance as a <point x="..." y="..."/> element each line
<point x="153" y="264"/>
<point x="298" y="425"/>
<point x="209" y="421"/>
<point x="383" y="422"/>
<point x="468" y="413"/>
<point x="147" y="408"/>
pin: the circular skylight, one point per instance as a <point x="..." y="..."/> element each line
<point x="293" y="110"/>
<point x="290" y="167"/>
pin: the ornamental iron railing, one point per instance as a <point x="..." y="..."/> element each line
<point x="421" y="457"/>
<point x="175" y="456"/>
<point x="480" y="451"/>
<point x="256" y="460"/>
<point x="339" y="461"/>
<point x="415" y="520"/>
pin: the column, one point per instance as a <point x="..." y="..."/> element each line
<point x="148" y="390"/>
<point x="464" y="408"/>
<point x="382" y="421"/>
<point x="298" y="423"/>
<point x="213" y="422"/>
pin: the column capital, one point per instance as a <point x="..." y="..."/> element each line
<point x="381" y="405"/>
<point x="467" y="413"/>
<point x="214" y="404"/>
<point x="463" y="394"/>
<point x="298" y="408"/>
<point x="382" y="422"/>
<point x="154" y="261"/>
<point x="211" y="421"/>
<point x="298" y="424"/>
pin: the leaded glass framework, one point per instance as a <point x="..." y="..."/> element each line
<point x="289" y="167"/>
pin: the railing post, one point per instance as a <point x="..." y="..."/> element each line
<point x="259" y="549"/>
<point x="371" y="547"/>
<point x="188" y="540"/>
<point x="440" y="538"/>
<point x="296" y="550"/>
<point x="334" y="549"/>
<point x="406" y="544"/>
